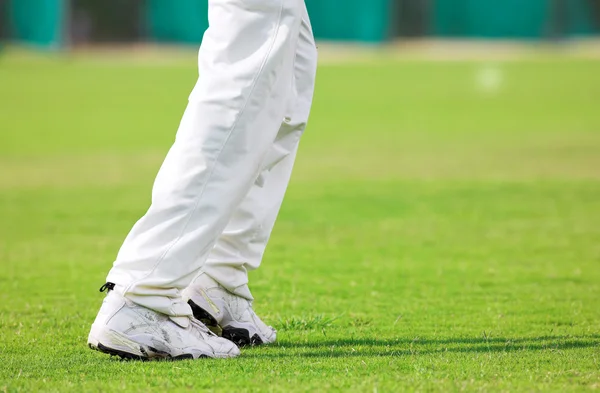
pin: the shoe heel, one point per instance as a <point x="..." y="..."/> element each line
<point x="241" y="337"/>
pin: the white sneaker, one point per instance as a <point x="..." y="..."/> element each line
<point x="218" y="308"/>
<point x="131" y="331"/>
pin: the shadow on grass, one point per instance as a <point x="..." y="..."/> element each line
<point x="418" y="346"/>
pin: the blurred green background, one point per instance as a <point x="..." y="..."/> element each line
<point x="440" y="232"/>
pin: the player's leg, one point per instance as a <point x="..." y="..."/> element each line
<point x="220" y="295"/>
<point x="241" y="246"/>
<point x="232" y="119"/>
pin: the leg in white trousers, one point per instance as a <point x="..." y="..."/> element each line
<point x="241" y="246"/>
<point x="230" y="134"/>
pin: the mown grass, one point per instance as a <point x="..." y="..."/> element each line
<point x="440" y="233"/>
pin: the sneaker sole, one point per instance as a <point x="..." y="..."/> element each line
<point x="130" y="356"/>
<point x="144" y="352"/>
<point x="238" y="335"/>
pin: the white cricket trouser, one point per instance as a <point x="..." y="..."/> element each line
<point x="217" y="195"/>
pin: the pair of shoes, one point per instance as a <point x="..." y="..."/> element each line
<point x="125" y="329"/>
<point x="130" y="331"/>
<point x="227" y="314"/>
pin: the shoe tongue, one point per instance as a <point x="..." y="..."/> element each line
<point x="184" y="322"/>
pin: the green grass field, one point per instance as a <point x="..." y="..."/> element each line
<point x="438" y="234"/>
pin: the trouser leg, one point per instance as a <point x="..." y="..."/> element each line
<point x="233" y="117"/>
<point x="241" y="246"/>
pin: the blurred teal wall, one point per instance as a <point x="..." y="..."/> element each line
<point x="44" y="22"/>
<point x="508" y="18"/>
<point x="177" y="20"/>
<point x="583" y="22"/>
<point x="373" y="20"/>
<point x="356" y="20"/>
<point x="39" y="22"/>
